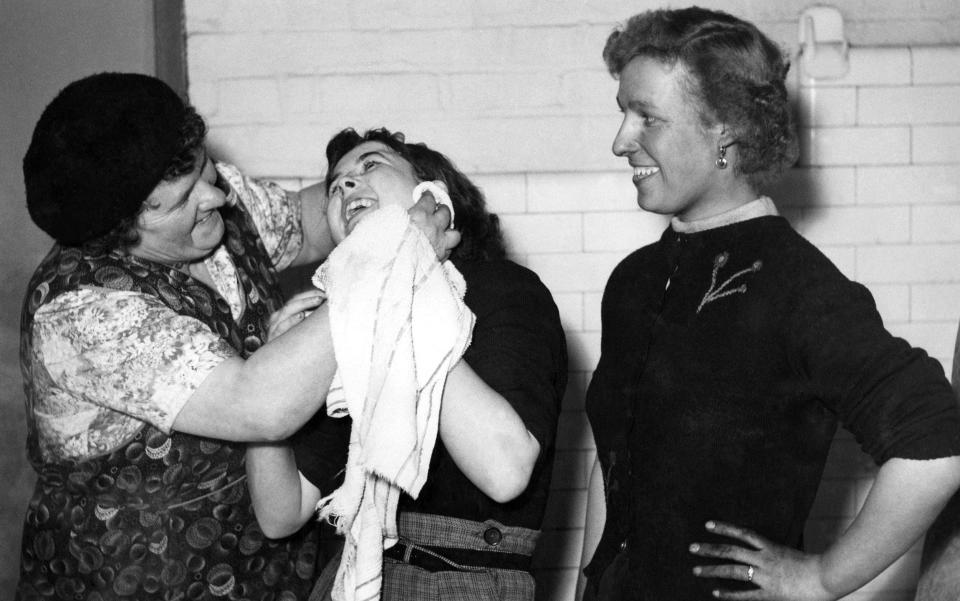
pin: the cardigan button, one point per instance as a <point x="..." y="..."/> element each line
<point x="492" y="536"/>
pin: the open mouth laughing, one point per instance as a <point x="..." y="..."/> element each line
<point x="641" y="173"/>
<point x="355" y="207"/>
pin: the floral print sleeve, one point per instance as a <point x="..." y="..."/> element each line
<point x="113" y="360"/>
<point x="275" y="211"/>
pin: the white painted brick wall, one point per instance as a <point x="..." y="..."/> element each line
<point x="936" y="144"/>
<point x="823" y="106"/>
<point x="913" y="105"/>
<point x="516" y="93"/>
<point x="935" y="223"/>
<point x="936" y="65"/>
<point x="893" y="301"/>
<point x="930" y="302"/>
<point x="908" y="184"/>
<point x="855" y="145"/>
<point x="856" y="225"/>
<point x="815" y="186"/>
<point x="540" y="233"/>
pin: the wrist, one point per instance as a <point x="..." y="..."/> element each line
<point x="820" y="582"/>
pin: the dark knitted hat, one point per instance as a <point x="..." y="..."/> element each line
<point x="100" y="147"/>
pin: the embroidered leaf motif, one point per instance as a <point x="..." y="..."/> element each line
<point x="725" y="289"/>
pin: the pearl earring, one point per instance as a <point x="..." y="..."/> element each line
<point x="722" y="159"/>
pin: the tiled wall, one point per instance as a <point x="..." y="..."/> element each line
<point x="520" y="99"/>
<point x="884" y="141"/>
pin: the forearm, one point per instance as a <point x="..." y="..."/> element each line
<point x="596" y="518"/>
<point x="485" y="437"/>
<point x="317" y="238"/>
<point x="271" y="394"/>
<point x="282" y="499"/>
<point x="906" y="497"/>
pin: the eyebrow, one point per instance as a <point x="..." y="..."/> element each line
<point x="636" y="104"/>
<point x="359" y="159"/>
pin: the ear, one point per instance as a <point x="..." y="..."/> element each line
<point x="725" y="135"/>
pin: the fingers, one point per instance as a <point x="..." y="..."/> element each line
<point x="739" y="571"/>
<point x="286" y="318"/>
<point x="437" y="190"/>
<point x="739" y="595"/>
<point x="442" y="214"/>
<point x="426" y="203"/>
<point x="428" y="212"/>
<point x="293" y="312"/>
<point x="742" y="559"/>
<point x="433" y="220"/>
<point x="304" y="301"/>
<point x="279" y="324"/>
<point x="723" y="551"/>
<point x="743" y="534"/>
<point x="451" y="238"/>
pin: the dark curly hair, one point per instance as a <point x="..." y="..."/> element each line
<point x="738" y="78"/>
<point x="193" y="132"/>
<point x="482" y="238"/>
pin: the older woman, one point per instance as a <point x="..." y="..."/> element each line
<point x="732" y="347"/>
<point x="475" y="523"/>
<point x="144" y="352"/>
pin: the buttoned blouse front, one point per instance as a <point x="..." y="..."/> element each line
<point x="729" y="355"/>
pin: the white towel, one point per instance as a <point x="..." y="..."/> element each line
<point x="398" y="324"/>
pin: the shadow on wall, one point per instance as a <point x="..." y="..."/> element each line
<point x="802" y="189"/>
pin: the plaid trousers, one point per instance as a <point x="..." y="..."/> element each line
<point x="402" y="581"/>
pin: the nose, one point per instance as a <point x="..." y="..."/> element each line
<point x="625" y="141"/>
<point x="212" y="197"/>
<point x="345" y="184"/>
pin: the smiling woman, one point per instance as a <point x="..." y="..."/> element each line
<point x="670" y="148"/>
<point x="180" y="221"/>
<point x="475" y="523"/>
<point x="369" y="177"/>
<point x="151" y="353"/>
<point x="732" y="348"/>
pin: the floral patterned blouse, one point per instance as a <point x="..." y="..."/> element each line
<point x="116" y="359"/>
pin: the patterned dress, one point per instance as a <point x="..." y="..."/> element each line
<point x="123" y="506"/>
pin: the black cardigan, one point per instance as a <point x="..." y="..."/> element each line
<point x="519" y="350"/>
<point x="728" y="357"/>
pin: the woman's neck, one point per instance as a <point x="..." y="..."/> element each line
<point x="728" y="196"/>
<point x="759" y="207"/>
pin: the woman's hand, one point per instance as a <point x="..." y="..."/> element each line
<point x="778" y="572"/>
<point x="293" y="312"/>
<point x="433" y="219"/>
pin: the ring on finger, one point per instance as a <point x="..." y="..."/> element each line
<point x="750" y="571"/>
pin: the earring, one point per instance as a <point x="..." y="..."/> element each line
<point x="722" y="159"/>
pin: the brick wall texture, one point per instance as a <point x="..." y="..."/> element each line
<point x="517" y="94"/>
